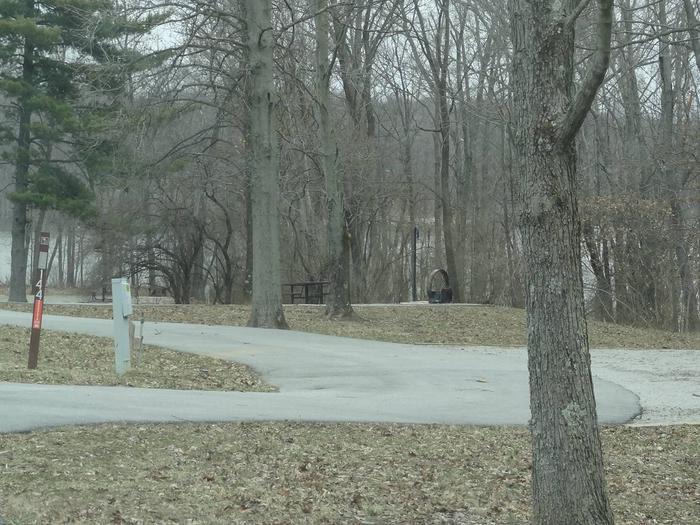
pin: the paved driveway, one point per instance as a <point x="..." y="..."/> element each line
<point x="324" y="378"/>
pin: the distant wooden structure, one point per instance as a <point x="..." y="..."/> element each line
<point x="306" y="292"/>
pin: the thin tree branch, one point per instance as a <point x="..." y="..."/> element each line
<point x="571" y="20"/>
<point x="594" y="77"/>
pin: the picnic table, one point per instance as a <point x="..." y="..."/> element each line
<point x="307" y="292"/>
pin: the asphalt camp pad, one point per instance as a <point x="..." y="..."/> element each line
<point x="321" y="378"/>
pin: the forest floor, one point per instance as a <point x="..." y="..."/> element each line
<point x="289" y="473"/>
<point x="314" y="473"/>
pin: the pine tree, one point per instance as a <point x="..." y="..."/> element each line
<point x="55" y="57"/>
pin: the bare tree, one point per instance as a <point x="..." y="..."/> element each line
<point x="359" y="29"/>
<point x="568" y="477"/>
<point x="431" y="41"/>
<point x="266" y="309"/>
<point x="693" y="29"/>
<point x="338" y="303"/>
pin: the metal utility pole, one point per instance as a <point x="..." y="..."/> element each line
<point x="413" y="262"/>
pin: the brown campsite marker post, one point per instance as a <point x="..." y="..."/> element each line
<point x="38" y="301"/>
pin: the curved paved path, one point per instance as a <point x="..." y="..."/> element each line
<point x="324" y="378"/>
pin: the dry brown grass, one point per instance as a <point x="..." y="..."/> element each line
<point x="265" y="473"/>
<point x="424" y="324"/>
<point x="312" y="473"/>
<point x="82" y="360"/>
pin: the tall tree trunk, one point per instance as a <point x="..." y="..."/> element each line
<point x="480" y="263"/>
<point x="447" y="215"/>
<point x="338" y="303"/>
<point x="247" y="168"/>
<point x="81" y="259"/>
<point x="248" y="270"/>
<point x="199" y="277"/>
<point x="633" y="145"/>
<point x="685" y="303"/>
<point x="515" y="287"/>
<point x="568" y="478"/>
<point x="688" y="297"/>
<point x="358" y="32"/>
<point x="438" y="257"/>
<point x="70" y="256"/>
<point x="602" y="301"/>
<point x="693" y="30"/>
<point x="266" y="311"/>
<point x="478" y="288"/>
<point x="19" y="253"/>
<point x="443" y="52"/>
<point x="464" y="145"/>
<point x="61" y="259"/>
<point x="595" y="241"/>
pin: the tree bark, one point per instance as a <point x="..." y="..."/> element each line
<point x="568" y="478"/>
<point x="19" y="252"/>
<point x="685" y="303"/>
<point x="440" y="70"/>
<point x="438" y="252"/>
<point x="61" y="255"/>
<point x="266" y="311"/>
<point x="199" y="277"/>
<point x="463" y="139"/>
<point x="247" y="167"/>
<point x="338" y="303"/>
<point x="433" y="60"/>
<point x="689" y="320"/>
<point x="447" y="215"/>
<point x="248" y="270"/>
<point x="693" y="30"/>
<point x="602" y="301"/>
<point x="70" y="256"/>
<point x="480" y="263"/>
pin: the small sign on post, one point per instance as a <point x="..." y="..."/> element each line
<point x="38" y="312"/>
<point x="121" y="310"/>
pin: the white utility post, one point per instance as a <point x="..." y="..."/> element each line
<point x="121" y="310"/>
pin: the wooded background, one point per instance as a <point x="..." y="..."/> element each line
<point x="134" y="142"/>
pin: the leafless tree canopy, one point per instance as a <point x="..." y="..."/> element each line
<point x="213" y="150"/>
<point x="410" y="124"/>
